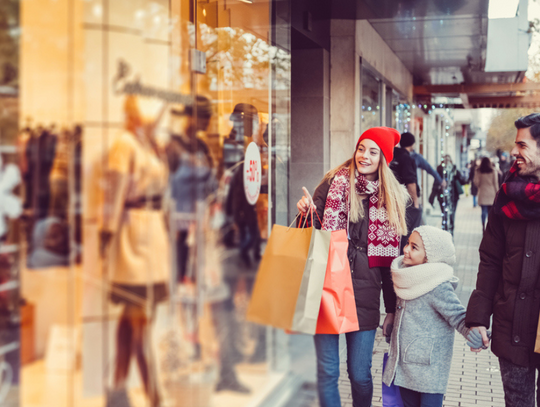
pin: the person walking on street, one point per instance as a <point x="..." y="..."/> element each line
<point x="507" y="284"/>
<point x="504" y="165"/>
<point x="487" y="181"/>
<point x="428" y="310"/>
<point x="474" y="188"/>
<point x="361" y="195"/>
<point x="404" y="168"/>
<point x="448" y="197"/>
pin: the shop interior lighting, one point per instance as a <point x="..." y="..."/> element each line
<point x="503" y="8"/>
<point x="247" y="1"/>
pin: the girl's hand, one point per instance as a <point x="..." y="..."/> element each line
<point x="478" y="338"/>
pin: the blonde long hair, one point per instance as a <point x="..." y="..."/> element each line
<point x="392" y="194"/>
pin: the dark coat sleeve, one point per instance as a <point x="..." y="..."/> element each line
<point x="389" y="295"/>
<point x="492" y="251"/>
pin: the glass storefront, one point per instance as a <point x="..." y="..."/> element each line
<point x="144" y="153"/>
<point x="371" y="100"/>
<point x="401" y="113"/>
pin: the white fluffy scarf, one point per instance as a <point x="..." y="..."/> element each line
<point x="415" y="281"/>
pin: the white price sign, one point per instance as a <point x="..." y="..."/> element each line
<point x="252" y="173"/>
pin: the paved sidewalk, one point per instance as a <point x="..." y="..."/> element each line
<point x="474" y="377"/>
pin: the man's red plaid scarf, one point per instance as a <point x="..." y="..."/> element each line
<point x="518" y="198"/>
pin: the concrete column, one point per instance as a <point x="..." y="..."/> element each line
<point x="310" y="120"/>
<point x="388" y="113"/>
<point x="345" y="91"/>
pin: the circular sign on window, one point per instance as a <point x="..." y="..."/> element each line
<point x="252" y="173"/>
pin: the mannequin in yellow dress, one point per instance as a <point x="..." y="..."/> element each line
<point x="135" y="245"/>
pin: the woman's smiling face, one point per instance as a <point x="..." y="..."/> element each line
<point x="367" y="158"/>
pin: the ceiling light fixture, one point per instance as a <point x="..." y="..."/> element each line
<point x="247" y="1"/>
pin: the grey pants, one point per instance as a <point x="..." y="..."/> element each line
<point x="519" y="384"/>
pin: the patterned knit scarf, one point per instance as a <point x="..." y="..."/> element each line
<point x="383" y="241"/>
<point x="518" y="198"/>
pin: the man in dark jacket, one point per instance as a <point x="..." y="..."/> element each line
<point x="508" y="287"/>
<point x="404" y="168"/>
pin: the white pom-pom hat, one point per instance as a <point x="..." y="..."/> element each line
<point x="438" y="244"/>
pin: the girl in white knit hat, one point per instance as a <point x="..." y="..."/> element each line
<point x="427" y="312"/>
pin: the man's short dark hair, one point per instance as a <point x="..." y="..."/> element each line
<point x="407" y="140"/>
<point x="531" y="122"/>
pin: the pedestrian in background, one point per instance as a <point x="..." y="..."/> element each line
<point x="448" y="197"/>
<point x="404" y="168"/>
<point x="474" y="188"/>
<point x="486" y="180"/>
<point x="507" y="284"/>
<point x="504" y="165"/>
<point x="362" y="196"/>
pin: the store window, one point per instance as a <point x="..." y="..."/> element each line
<point x="401" y="113"/>
<point x="371" y="100"/>
<point x="143" y="156"/>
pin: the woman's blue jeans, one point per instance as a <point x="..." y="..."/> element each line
<point x="359" y="355"/>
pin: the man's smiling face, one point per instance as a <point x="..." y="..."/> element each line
<point x="527" y="153"/>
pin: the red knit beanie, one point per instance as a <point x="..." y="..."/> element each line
<point x="385" y="137"/>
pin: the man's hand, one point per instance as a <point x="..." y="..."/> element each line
<point x="485" y="338"/>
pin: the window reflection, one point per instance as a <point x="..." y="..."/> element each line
<point x="138" y="247"/>
<point x="50" y="159"/>
<point x="371" y="100"/>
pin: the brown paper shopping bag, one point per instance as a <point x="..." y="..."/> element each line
<point x="279" y="278"/>
<point x="309" y="296"/>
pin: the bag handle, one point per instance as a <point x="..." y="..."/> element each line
<point x="316" y="213"/>
<point x="299" y="213"/>
<point x="301" y="219"/>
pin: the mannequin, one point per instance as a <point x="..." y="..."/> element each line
<point x="134" y="245"/>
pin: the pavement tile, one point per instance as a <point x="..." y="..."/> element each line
<point x="474" y="377"/>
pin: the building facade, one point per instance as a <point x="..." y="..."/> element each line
<point x="146" y="149"/>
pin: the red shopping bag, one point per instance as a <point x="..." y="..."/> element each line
<point x="338" y="308"/>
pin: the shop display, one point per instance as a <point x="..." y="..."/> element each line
<point x="130" y="246"/>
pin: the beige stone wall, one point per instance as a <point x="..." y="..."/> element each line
<point x="350" y="41"/>
<point x="372" y="48"/>
<point x="345" y="91"/>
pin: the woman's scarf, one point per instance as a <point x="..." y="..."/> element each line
<point x="518" y="197"/>
<point x="414" y="281"/>
<point x="383" y="241"/>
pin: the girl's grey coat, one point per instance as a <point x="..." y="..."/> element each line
<point x="423" y="338"/>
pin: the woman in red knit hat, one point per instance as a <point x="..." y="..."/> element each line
<point x="374" y="216"/>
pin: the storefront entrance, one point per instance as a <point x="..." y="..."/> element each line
<point x="145" y="157"/>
